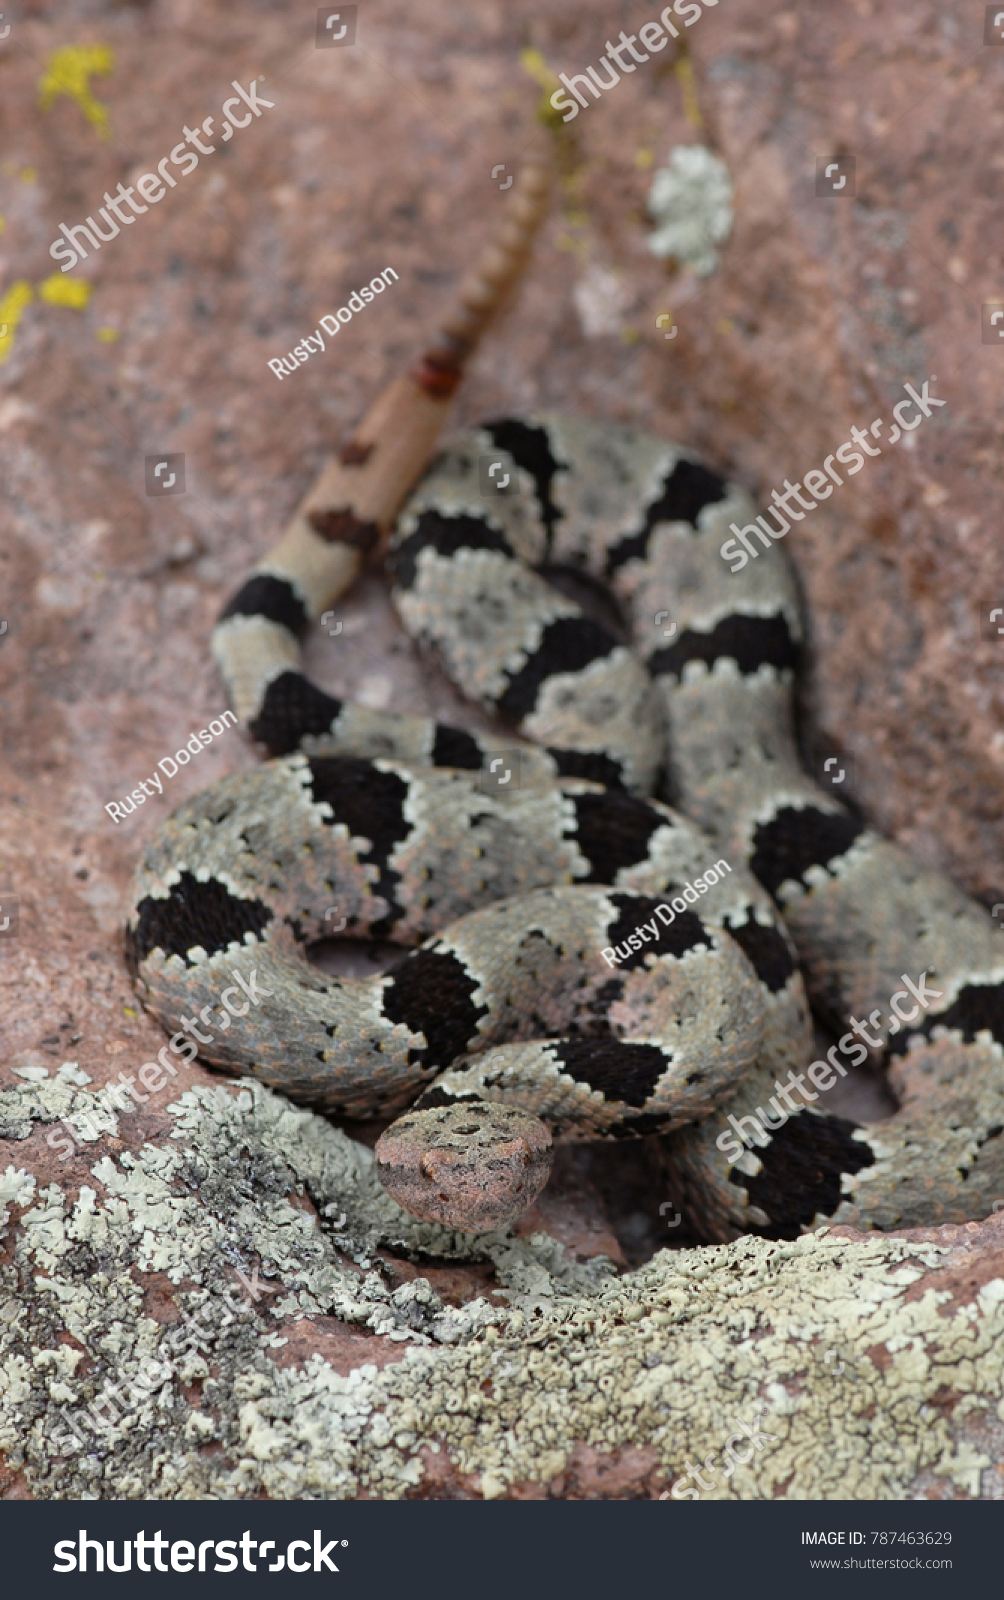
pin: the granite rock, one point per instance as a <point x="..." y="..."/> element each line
<point x="823" y="308"/>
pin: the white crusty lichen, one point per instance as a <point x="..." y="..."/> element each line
<point x="870" y="1385"/>
<point x="690" y="202"/>
<point x="601" y="300"/>
<point x="17" y="1186"/>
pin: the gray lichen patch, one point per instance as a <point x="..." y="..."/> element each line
<point x="43" y="1099"/>
<point x="691" y="203"/>
<point x="874" y="1379"/>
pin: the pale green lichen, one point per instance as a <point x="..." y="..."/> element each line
<point x="16" y="1185"/>
<point x="865" y="1392"/>
<point x="690" y="202"/>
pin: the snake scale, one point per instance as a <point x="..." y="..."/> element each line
<point x="581" y="959"/>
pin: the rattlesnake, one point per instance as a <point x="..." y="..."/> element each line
<point x="590" y="962"/>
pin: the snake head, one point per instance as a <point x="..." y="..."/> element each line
<point x="473" y="1166"/>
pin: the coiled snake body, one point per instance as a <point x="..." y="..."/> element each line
<point x="579" y="965"/>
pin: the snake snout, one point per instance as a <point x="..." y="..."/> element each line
<point x="475" y="1170"/>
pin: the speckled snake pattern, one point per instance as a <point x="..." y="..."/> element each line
<point x="504" y="1024"/>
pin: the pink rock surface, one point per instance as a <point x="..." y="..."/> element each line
<point x="381" y="156"/>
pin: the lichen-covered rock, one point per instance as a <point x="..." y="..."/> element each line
<point x="867" y="1367"/>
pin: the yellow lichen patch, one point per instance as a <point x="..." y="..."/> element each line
<point x="69" y="72"/>
<point x="62" y="291"/>
<point x="533" y="62"/>
<point x="28" y="175"/>
<point x="107" y="335"/>
<point x="12" y="307"/>
<point x="684" y="69"/>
